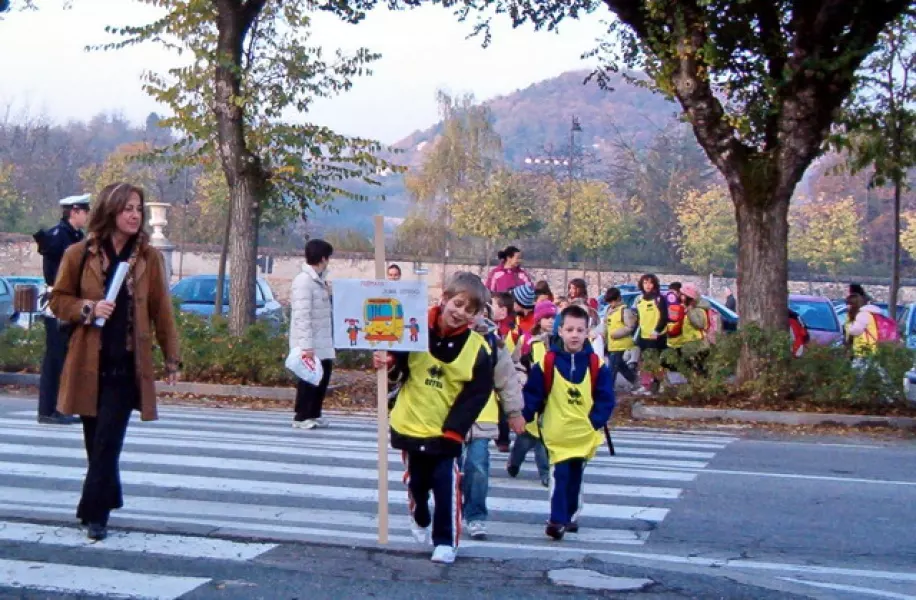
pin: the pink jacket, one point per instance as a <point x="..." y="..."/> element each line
<point x="502" y="279"/>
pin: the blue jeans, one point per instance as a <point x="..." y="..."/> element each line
<point x="523" y="444"/>
<point x="475" y="479"/>
<point x="617" y="365"/>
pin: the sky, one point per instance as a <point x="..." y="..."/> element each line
<point x="45" y="71"/>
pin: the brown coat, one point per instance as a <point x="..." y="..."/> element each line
<point x="79" y="382"/>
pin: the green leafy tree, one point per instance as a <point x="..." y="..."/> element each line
<point x="503" y="208"/>
<point x="760" y="82"/>
<point x="420" y="236"/>
<point x="826" y="234"/>
<point x="128" y="163"/>
<point x="879" y="124"/>
<point x="14" y="214"/>
<point x="245" y="67"/>
<point x="459" y="165"/>
<point x="707" y="235"/>
<point x="598" y="221"/>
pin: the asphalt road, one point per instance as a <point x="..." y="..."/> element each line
<point x="232" y="504"/>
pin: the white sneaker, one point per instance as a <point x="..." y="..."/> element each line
<point x="477" y="530"/>
<point x="421" y="534"/>
<point x="640" y="391"/>
<point x="323" y="423"/>
<point x="307" y="424"/>
<point x="444" y="555"/>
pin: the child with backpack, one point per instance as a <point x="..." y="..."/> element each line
<point x="691" y="341"/>
<point x="506" y="399"/>
<point x="573" y="393"/>
<point x="441" y="395"/>
<point x="865" y="325"/>
<point x="501" y="306"/>
<point x="534" y="350"/>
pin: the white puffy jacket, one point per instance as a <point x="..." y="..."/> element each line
<point x="310" y="322"/>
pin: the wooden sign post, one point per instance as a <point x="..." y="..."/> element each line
<point x="382" y="400"/>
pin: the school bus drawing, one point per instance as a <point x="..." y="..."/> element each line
<point x="384" y="319"/>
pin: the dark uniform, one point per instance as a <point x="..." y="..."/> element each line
<point x="51" y="245"/>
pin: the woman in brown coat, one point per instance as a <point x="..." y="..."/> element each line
<point x="109" y="369"/>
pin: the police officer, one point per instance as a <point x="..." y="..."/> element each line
<point x="51" y="246"/>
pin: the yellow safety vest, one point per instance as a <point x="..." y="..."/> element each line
<point x="432" y="386"/>
<point x="615" y="322"/>
<point x="649" y="317"/>
<point x="689" y="333"/>
<point x="565" y="426"/>
<point x="867" y="343"/>
<point x="538" y="352"/>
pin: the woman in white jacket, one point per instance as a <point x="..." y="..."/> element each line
<point x="310" y="330"/>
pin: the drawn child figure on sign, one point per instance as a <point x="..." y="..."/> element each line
<point x="353" y="330"/>
<point x="414" y="329"/>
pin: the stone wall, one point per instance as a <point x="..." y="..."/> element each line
<point x="18" y="256"/>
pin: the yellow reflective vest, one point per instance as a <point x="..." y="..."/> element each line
<point x="432" y="386"/>
<point x="689" y="333"/>
<point x="614" y="322"/>
<point x="867" y="343"/>
<point x="565" y="427"/>
<point x="649" y="317"/>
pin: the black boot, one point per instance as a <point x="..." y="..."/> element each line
<point x="96" y="532"/>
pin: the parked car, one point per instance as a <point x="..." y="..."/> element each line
<point x="6" y="304"/>
<point x="819" y="316"/>
<point x="22" y="319"/>
<point x="197" y="294"/>
<point x="906" y="322"/>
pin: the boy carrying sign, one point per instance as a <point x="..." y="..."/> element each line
<point x="575" y="396"/>
<point x="441" y="394"/>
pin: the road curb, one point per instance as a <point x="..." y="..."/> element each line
<point x="186" y="387"/>
<point x="681" y="413"/>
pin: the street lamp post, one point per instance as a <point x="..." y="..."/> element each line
<point x="568" y="162"/>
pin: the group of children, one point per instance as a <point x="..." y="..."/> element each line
<point x="508" y="355"/>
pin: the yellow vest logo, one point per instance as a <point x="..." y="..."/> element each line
<point x="435" y="373"/>
<point x="574" y="396"/>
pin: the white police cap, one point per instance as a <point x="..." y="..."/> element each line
<point x="75" y="200"/>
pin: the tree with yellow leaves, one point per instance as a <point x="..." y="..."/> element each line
<point x="825" y="233"/>
<point x="908" y="235"/>
<point x="129" y="162"/>
<point x="500" y="209"/>
<point x="597" y="219"/>
<point x="707" y="235"/>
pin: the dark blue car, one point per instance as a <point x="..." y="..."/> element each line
<point x="197" y="294"/>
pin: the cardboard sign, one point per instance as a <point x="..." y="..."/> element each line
<point x="380" y="315"/>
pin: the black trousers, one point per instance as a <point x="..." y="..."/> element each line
<point x="103" y="436"/>
<point x="618" y="365"/>
<point x="52" y="365"/>
<point x="437" y="474"/>
<point x="503" y="427"/>
<point x="309" y="398"/>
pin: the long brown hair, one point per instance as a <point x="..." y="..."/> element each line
<point x="108" y="205"/>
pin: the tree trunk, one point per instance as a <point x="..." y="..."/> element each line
<point x="763" y="232"/>
<point x="598" y="269"/>
<point x="221" y="273"/>
<point x="895" y="268"/>
<point x="244" y="172"/>
<point x="243" y="252"/>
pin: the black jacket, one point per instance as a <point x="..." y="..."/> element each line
<point x="51" y="245"/>
<point x="467" y="406"/>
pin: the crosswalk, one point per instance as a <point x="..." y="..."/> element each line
<point x="232" y="484"/>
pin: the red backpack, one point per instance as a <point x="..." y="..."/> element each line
<point x="594" y="365"/>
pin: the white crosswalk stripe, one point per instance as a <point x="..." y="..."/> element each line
<point x="200" y="476"/>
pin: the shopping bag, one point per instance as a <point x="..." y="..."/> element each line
<point x="307" y="369"/>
